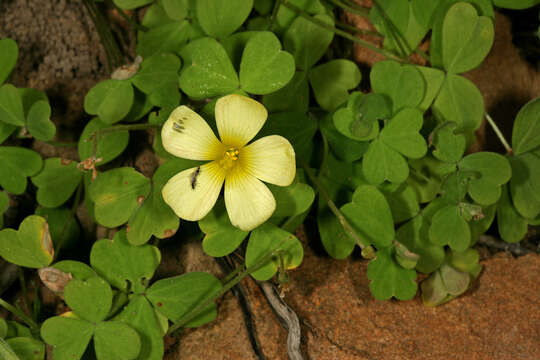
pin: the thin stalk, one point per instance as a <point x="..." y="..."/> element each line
<point x="61" y="144"/>
<point x="354" y="10"/>
<point x="229" y="285"/>
<point x="357" y="30"/>
<point x="367" y="250"/>
<point x="342" y="33"/>
<point x="21" y="315"/>
<point x="499" y="133"/>
<point x="131" y="22"/>
<point x="275" y="10"/>
<point x="98" y="133"/>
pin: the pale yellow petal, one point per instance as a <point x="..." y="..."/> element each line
<point x="270" y="159"/>
<point x="192" y="193"/>
<point x="185" y="134"/>
<point x="239" y="119"/>
<point x="249" y="202"/>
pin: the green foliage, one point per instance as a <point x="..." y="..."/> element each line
<point x="110" y="100"/>
<point x="11" y="106"/>
<point x="9" y="52"/>
<point x="17" y="164"/>
<point x="219" y="18"/>
<point x="56" y="182"/>
<point x="104" y="147"/>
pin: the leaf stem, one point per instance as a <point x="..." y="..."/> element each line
<point x="367" y="250"/>
<point x="275" y="10"/>
<point x="342" y="33"/>
<point x="499" y="133"/>
<point x="228" y="285"/>
<point x="20" y="314"/>
<point x="357" y="30"/>
<point x="354" y="10"/>
<point x="131" y="22"/>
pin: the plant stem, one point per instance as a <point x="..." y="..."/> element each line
<point x="275" y="10"/>
<point x="342" y="33"/>
<point x="117" y="128"/>
<point x="357" y="30"/>
<point x="61" y="144"/>
<point x="228" y="285"/>
<point x="131" y="22"/>
<point x="367" y="250"/>
<point x="21" y="315"/>
<point x="354" y="10"/>
<point x="499" y="133"/>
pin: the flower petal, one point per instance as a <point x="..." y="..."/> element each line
<point x="185" y="134"/>
<point x="270" y="159"/>
<point x="249" y="202"/>
<point x="192" y="193"/>
<point x="239" y="119"/>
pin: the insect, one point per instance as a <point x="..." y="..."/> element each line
<point x="178" y="126"/>
<point x="193" y="177"/>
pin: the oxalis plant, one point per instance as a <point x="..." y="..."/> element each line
<point x="387" y="171"/>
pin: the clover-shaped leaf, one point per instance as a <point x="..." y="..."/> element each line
<point x="525" y="183"/>
<point x="466" y="38"/>
<point x="221" y="237"/>
<point x="176" y="9"/>
<point x="370" y="216"/>
<point x="56" y="182"/>
<point x="449" y="146"/>
<point x="219" y="18"/>
<point x="526" y="131"/>
<point x="402" y="134"/>
<point x="9" y="52"/>
<point x="56" y="331"/>
<point x="125" y="266"/>
<point x="494" y="170"/>
<point x="381" y="163"/>
<point x="26" y="348"/>
<point x="403" y="84"/>
<point x="332" y="80"/>
<point x="208" y="71"/>
<point x="17" y="164"/>
<point x="30" y="246"/>
<point x="77" y="269"/>
<point x="154" y="216"/>
<point x="465" y="261"/>
<point x="265" y="68"/>
<point x="267" y="238"/>
<point x="63" y="226"/>
<point x="140" y="315"/>
<point x="344" y="147"/>
<point x="308" y="41"/>
<point x="167" y="37"/>
<point x="434" y="79"/>
<point x="38" y="121"/>
<point x="449" y="228"/>
<point x="414" y="235"/>
<point x="512" y="226"/>
<point x="176" y="296"/>
<point x="359" y="120"/>
<point x="109" y="145"/>
<point x="130" y="4"/>
<point x="90" y="299"/>
<point x="11" y="106"/>
<point x="111" y="100"/>
<point x="157" y="71"/>
<point x="388" y="279"/>
<point x="459" y="101"/>
<point x="403" y="202"/>
<point x="117" y="193"/>
<point x="114" y="340"/>
<point x="6" y="130"/>
<point x="293" y="199"/>
<point x="292" y="97"/>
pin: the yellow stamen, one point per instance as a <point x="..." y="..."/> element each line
<point x="229" y="158"/>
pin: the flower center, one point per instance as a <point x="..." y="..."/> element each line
<point x="229" y="158"/>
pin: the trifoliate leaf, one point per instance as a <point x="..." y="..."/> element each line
<point x="176" y="296"/>
<point x="403" y="202"/>
<point x="344" y="147"/>
<point x="9" y="52"/>
<point x="110" y="100"/>
<point x="433" y="78"/>
<point x="117" y="194"/>
<point x="403" y="84"/>
<point x="370" y="216"/>
<point x="265" y="68"/>
<point x="308" y="41"/>
<point x="27" y="348"/>
<point x="17" y="164"/>
<point x="220" y="18"/>
<point x="494" y="171"/>
<point x="332" y="81"/>
<point x="388" y="279"/>
<point x="176" y="9"/>
<point x="293" y="199"/>
<point x="449" y="228"/>
<point x="90" y="299"/>
<point x="449" y="146"/>
<point x="234" y="45"/>
<point x="268" y="238"/>
<point x="157" y="71"/>
<point x="56" y="182"/>
<point x="381" y="163"/>
<point x="30" y="246"/>
<point x="402" y="134"/>
<point x="465" y="261"/>
<point x="109" y="145"/>
<point x="125" y="266"/>
<point x="69" y="336"/>
<point x="207" y="71"/>
<point x="11" y="106"/>
<point x="466" y="38"/>
<point x="526" y="132"/>
<point x="38" y="121"/>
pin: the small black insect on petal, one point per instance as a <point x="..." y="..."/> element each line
<point x="193" y="177"/>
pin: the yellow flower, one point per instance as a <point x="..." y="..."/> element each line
<point x="193" y="192"/>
